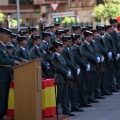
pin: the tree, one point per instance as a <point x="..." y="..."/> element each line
<point x="2" y="16"/>
<point x="69" y="20"/>
<point x="110" y="9"/>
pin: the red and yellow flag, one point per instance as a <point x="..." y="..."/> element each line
<point x="48" y="99"/>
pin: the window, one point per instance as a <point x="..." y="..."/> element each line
<point x="12" y="1"/>
<point x="26" y="2"/>
<point x="22" y="2"/>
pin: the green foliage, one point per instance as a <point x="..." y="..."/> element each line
<point x="98" y="11"/>
<point x="2" y="16"/>
<point x="110" y="9"/>
<point x="68" y="20"/>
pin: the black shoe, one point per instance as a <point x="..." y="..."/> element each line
<point x="94" y="101"/>
<point x="78" y="106"/>
<point x="107" y="93"/>
<point x="110" y="91"/>
<point x="57" y="113"/>
<point x="100" y="97"/>
<point x="76" y="110"/>
<point x="117" y="87"/>
<point x="86" y="105"/>
<point x="70" y="114"/>
<point x="102" y="94"/>
<point x="114" y="90"/>
<point x="88" y="102"/>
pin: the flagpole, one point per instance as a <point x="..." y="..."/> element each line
<point x="18" y="14"/>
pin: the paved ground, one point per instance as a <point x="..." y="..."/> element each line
<point x="107" y="109"/>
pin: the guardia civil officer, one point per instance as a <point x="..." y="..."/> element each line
<point x="93" y="59"/>
<point x="84" y="65"/>
<point x="32" y="31"/>
<point x="67" y="55"/>
<point x="5" y="70"/>
<point x="62" y="74"/>
<point x="22" y="51"/>
<point x="115" y="57"/>
<point x="37" y="52"/>
<point x="114" y="35"/>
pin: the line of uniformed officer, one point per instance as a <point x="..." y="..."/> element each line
<point x="85" y="65"/>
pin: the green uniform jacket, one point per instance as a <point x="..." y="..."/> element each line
<point x="110" y="44"/>
<point x="102" y="46"/>
<point x="79" y="58"/>
<point x="90" y="55"/>
<point x="38" y="53"/>
<point x="95" y="47"/>
<point x="115" y="38"/>
<point x="30" y="43"/>
<point x="60" y="68"/>
<point x="69" y="60"/>
<point x="23" y="54"/>
<point x="4" y="60"/>
<point x="44" y="46"/>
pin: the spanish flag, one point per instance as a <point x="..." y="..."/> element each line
<point x="48" y="99"/>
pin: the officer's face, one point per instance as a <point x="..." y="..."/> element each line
<point x="57" y="27"/>
<point x="79" y="41"/>
<point x="115" y="24"/>
<point x="95" y="35"/>
<point x="10" y="51"/>
<point x="60" y="36"/>
<point x="27" y="35"/>
<point x="68" y="34"/>
<point x="77" y="31"/>
<point x="34" y="32"/>
<point x="102" y="32"/>
<point x="69" y="43"/>
<point x="52" y="29"/>
<point x="6" y="38"/>
<point x="13" y="40"/>
<point x="90" y="38"/>
<point x="24" y="43"/>
<point x="38" y="42"/>
<point x="48" y="38"/>
<point x="110" y="30"/>
<point x="59" y="49"/>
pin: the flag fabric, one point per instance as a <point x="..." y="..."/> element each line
<point x="48" y="99"/>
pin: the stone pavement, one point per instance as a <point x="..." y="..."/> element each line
<point x="106" y="109"/>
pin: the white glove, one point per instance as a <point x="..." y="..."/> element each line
<point x="88" y="67"/>
<point x="102" y="59"/>
<point x="69" y="74"/>
<point x="48" y="66"/>
<point x="110" y="54"/>
<point x="98" y="59"/>
<point x="117" y="57"/>
<point x="78" y="71"/>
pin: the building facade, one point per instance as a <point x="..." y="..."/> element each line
<point x="31" y="11"/>
<point x="83" y="9"/>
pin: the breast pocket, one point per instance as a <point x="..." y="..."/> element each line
<point x="4" y="54"/>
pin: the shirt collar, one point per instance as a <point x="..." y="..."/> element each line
<point x="113" y="28"/>
<point x="93" y="40"/>
<point x="68" y="48"/>
<point x="23" y="48"/>
<point x="108" y="34"/>
<point x="45" y="42"/>
<point x="75" y="45"/>
<point x="58" y="54"/>
<point x="2" y="43"/>
<point x="99" y="35"/>
<point x="11" y="44"/>
<point x="87" y="42"/>
<point x="36" y="46"/>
